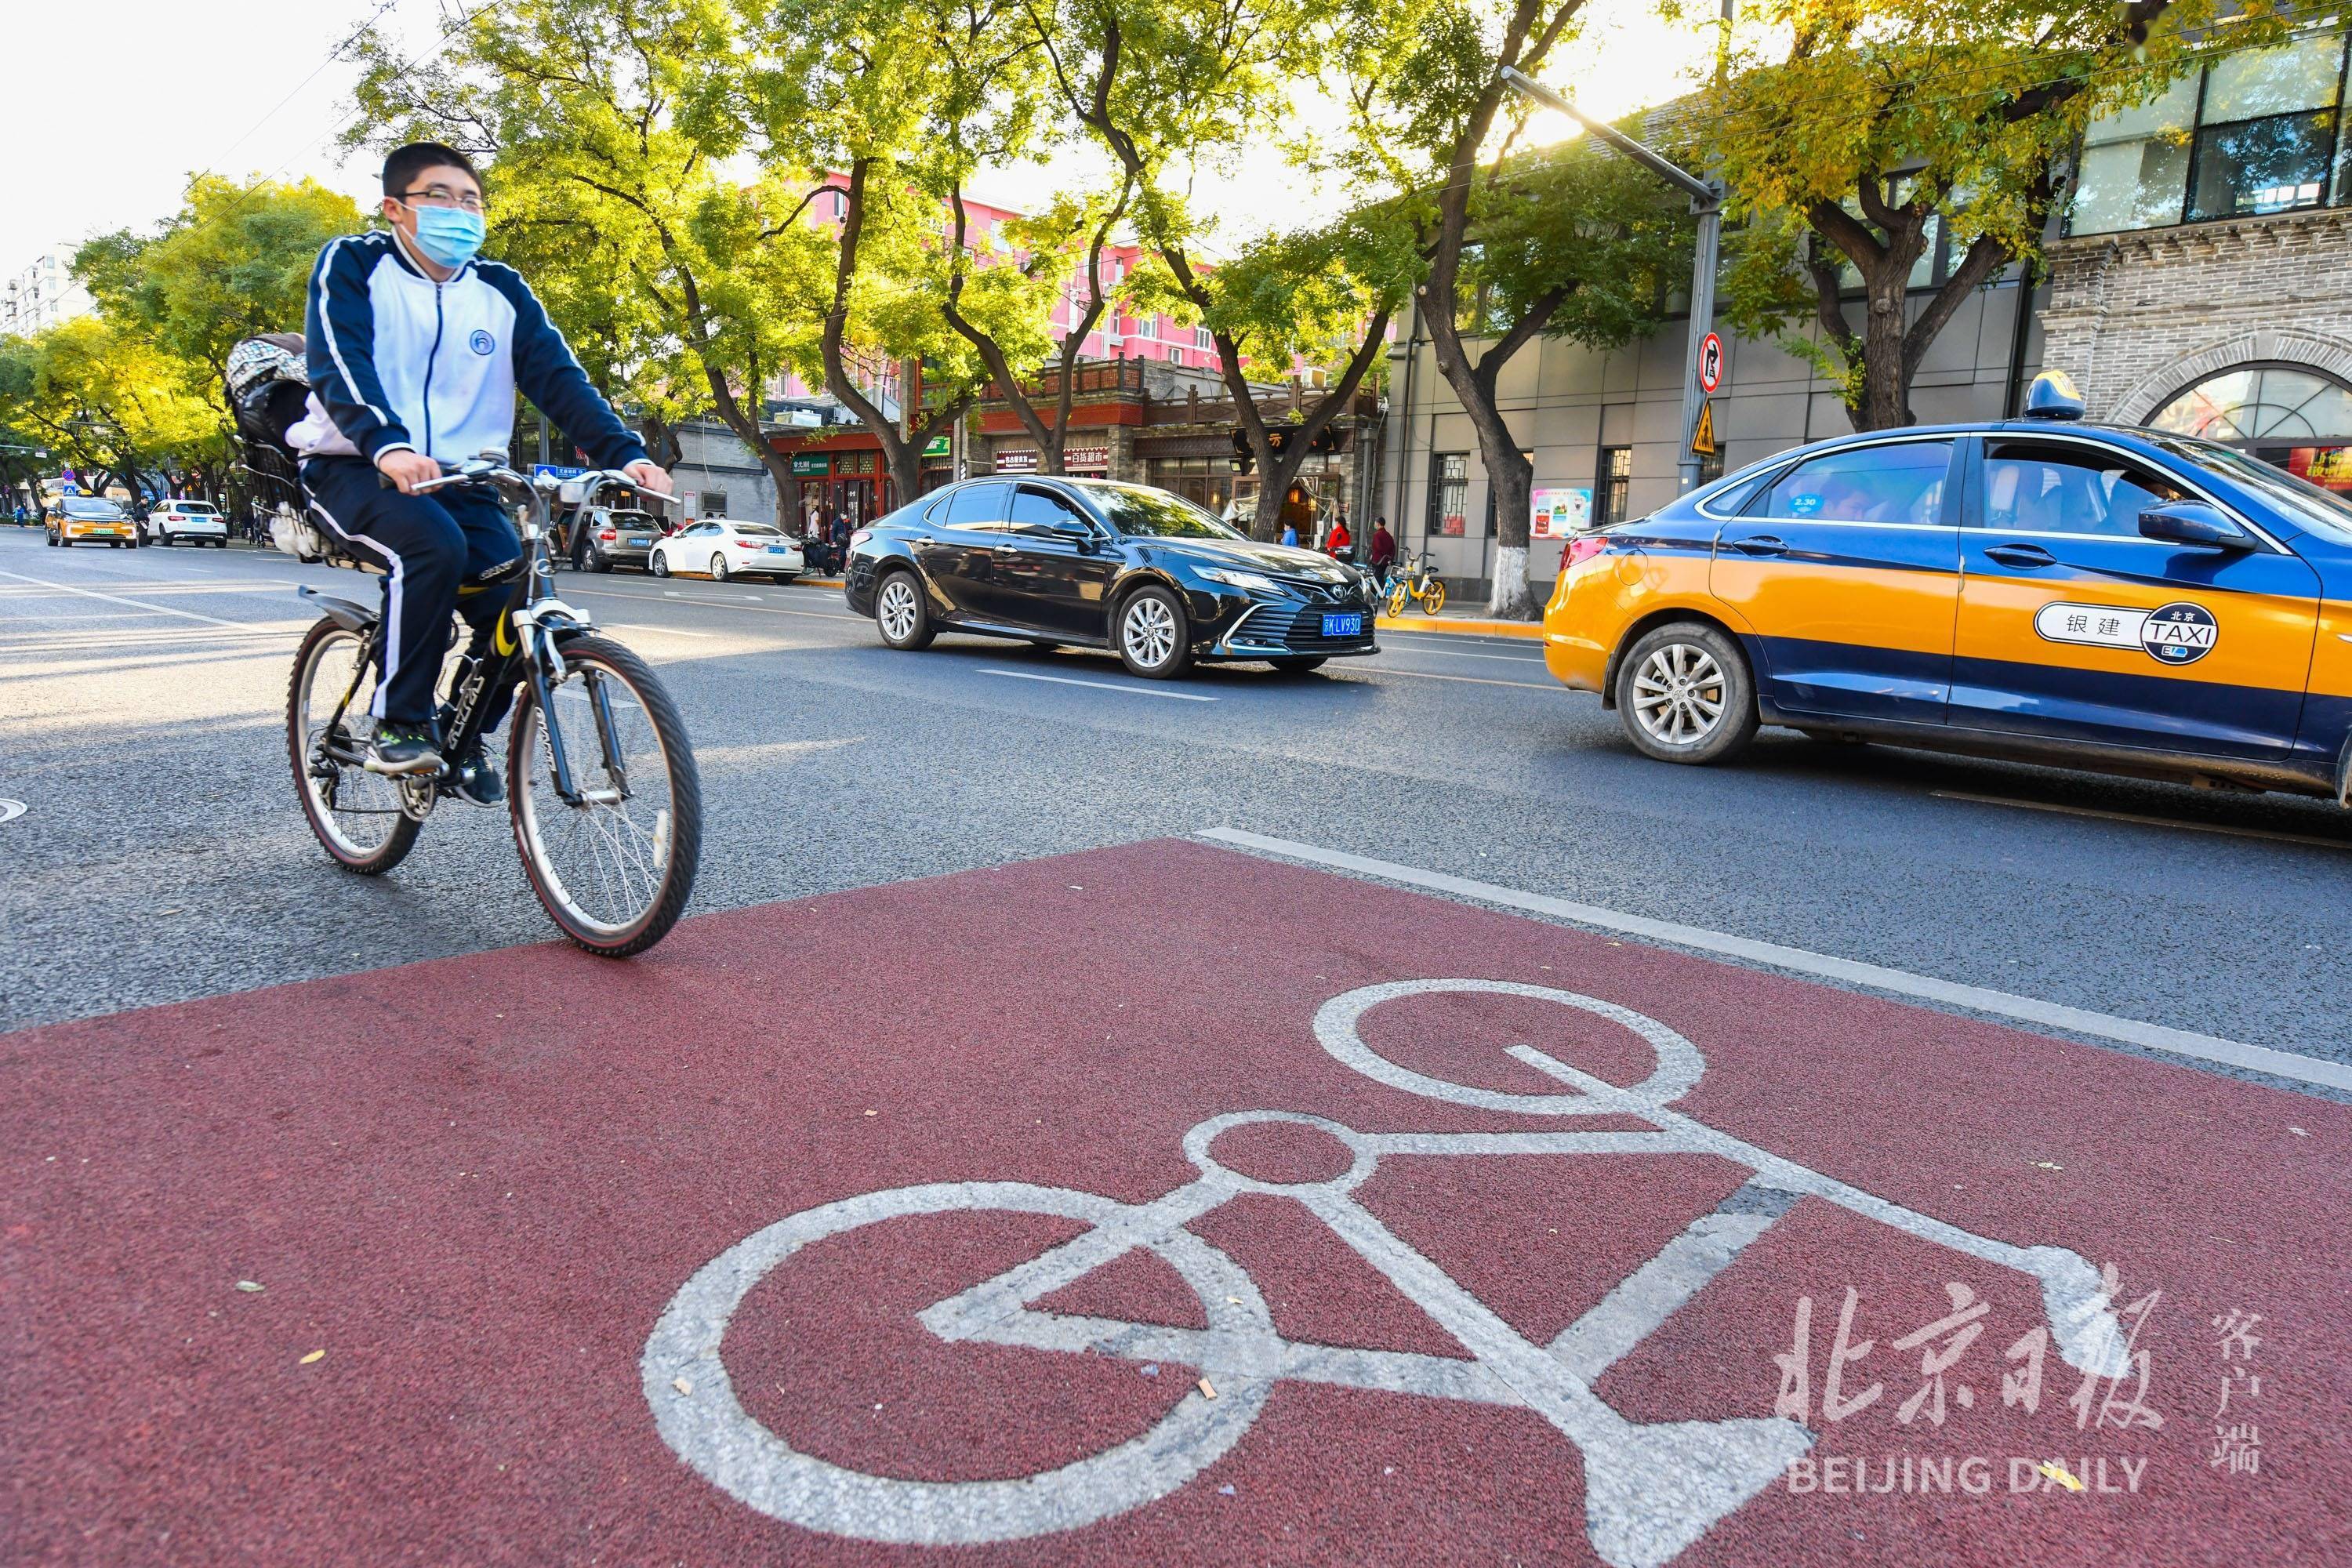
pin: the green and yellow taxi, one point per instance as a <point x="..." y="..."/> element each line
<point x="2043" y="588"/>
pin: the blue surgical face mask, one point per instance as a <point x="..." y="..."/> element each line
<point x="449" y="235"/>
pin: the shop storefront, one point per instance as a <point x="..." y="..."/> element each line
<point x="841" y="480"/>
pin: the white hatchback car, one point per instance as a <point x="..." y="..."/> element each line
<point x="722" y="548"/>
<point x="196" y="521"/>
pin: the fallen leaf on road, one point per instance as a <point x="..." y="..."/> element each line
<point x="1208" y="1390"/>
<point x="314" y="1355"/>
<point x="681" y="1385"/>
<point x="2058" y="1472"/>
<point x="2048" y="1165"/>
<point x="248" y="1285"/>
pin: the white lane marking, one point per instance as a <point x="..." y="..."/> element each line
<point x="151" y="609"/>
<point x="1459" y="653"/>
<point x="1101" y="684"/>
<point x="2133" y="817"/>
<point x="1465" y="679"/>
<point x="751" y="598"/>
<point x="1878" y="977"/>
<point x="715" y="605"/>
<point x="657" y="631"/>
<point x="11" y="809"/>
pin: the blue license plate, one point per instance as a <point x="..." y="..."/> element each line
<point x="640" y="541"/>
<point x="1343" y="626"/>
<point x="779" y="550"/>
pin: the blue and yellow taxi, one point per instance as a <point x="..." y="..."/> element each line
<point x="2042" y="588"/>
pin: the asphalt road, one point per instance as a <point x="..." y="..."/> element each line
<point x="162" y="856"/>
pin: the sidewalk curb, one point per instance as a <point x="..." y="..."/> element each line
<point x="1530" y="630"/>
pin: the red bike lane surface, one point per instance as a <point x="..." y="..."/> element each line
<point x="531" y="1208"/>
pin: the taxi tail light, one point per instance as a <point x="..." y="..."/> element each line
<point x="1584" y="549"/>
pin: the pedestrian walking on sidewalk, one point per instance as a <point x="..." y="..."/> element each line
<point x="1383" y="555"/>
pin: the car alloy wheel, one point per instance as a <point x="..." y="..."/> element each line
<point x="1685" y="694"/>
<point x="660" y="564"/>
<point x="900" y="614"/>
<point x="1679" y="694"/>
<point x="1151" y="634"/>
<point x="718" y="568"/>
<point x="896" y="612"/>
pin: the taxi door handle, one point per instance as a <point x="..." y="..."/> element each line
<point x="1760" y="545"/>
<point x="2021" y="555"/>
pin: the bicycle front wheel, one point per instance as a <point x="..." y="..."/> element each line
<point x="615" y="863"/>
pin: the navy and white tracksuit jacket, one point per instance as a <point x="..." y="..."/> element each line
<point x="397" y="360"/>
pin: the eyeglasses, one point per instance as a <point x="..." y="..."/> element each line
<point x="442" y="196"/>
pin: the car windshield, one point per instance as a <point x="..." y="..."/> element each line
<point x="634" y="520"/>
<point x="2322" y="511"/>
<point x="77" y="506"/>
<point x="757" y="529"/>
<point x="1140" y="509"/>
<point x="191" y="508"/>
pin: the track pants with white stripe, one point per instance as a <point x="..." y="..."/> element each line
<point x="429" y="545"/>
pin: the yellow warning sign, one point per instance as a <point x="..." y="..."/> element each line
<point x="1703" y="439"/>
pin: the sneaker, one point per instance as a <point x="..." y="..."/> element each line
<point x="478" y="776"/>
<point x="403" y="749"/>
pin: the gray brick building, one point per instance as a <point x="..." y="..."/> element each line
<point x="2204" y="284"/>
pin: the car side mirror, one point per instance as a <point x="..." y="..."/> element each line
<point x="1076" y="534"/>
<point x="2195" y="523"/>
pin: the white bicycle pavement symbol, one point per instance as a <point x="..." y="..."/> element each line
<point x="1651" y="1490"/>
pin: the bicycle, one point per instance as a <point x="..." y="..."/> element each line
<point x="1410" y="580"/>
<point x="602" y="788"/>
<point x="1651" y="1487"/>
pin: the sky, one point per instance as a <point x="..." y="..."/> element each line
<point x="138" y="95"/>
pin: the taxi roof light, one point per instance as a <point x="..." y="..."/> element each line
<point x="2052" y="395"/>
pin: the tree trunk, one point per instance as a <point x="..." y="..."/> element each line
<point x="1279" y="471"/>
<point x="661" y="441"/>
<point x="731" y="414"/>
<point x="1886" y="373"/>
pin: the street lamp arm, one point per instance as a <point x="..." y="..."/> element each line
<point x="1702" y="194"/>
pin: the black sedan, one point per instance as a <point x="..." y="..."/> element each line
<point x="1090" y="563"/>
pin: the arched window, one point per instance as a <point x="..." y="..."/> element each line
<point x="2262" y="405"/>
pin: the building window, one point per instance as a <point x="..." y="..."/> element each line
<point x="1710" y="465"/>
<point x="714" y="503"/>
<point x="1202" y="339"/>
<point x="1449" y="494"/>
<point x="1176" y="358"/>
<point x="1612" y="483"/>
<point x="2255" y="131"/>
<point x="2260" y="403"/>
<point x="1147" y="326"/>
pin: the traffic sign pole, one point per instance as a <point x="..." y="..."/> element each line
<point x="1707" y="205"/>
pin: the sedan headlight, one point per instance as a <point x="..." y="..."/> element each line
<point x="1249" y="581"/>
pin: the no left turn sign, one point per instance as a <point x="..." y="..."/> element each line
<point x="1710" y="362"/>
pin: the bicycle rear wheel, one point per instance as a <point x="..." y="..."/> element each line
<point x="356" y="814"/>
<point x="614" y="867"/>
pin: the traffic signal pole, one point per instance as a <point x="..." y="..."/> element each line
<point x="1707" y="205"/>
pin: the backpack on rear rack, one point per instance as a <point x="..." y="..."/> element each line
<point x="268" y="388"/>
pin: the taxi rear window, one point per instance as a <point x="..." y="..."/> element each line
<point x="1901" y="482"/>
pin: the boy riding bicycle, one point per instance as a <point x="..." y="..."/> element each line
<point x="415" y="350"/>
